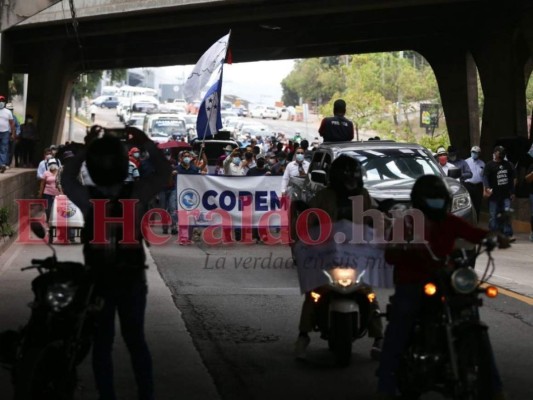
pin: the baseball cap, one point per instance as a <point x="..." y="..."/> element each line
<point x="441" y="150"/>
<point x="475" y="149"/>
<point x="52" y="161"/>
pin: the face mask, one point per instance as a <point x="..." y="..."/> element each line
<point x="30" y="120"/>
<point x="136" y="155"/>
<point x="272" y="161"/>
<point x="228" y="153"/>
<point x="530" y="152"/>
<point x="2" y="104"/>
<point x="187" y="160"/>
<point x="299" y="157"/>
<point x="452" y="158"/>
<point x="48" y="156"/>
<point x="236" y="160"/>
<point x="475" y="156"/>
<point x="443" y="160"/>
<point x="168" y="157"/>
<point x="282" y="162"/>
<point x="436" y="204"/>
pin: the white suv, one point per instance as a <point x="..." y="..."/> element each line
<point x="265" y="112"/>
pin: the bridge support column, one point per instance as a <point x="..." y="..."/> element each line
<point x="50" y="82"/>
<point x="501" y="61"/>
<point x="6" y="61"/>
<point x="456" y="76"/>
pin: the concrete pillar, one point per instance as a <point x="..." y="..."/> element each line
<point x="49" y="83"/>
<point x="6" y="61"/>
<point x="457" y="80"/>
<point x="501" y="59"/>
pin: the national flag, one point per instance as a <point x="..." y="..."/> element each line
<point x="209" y="120"/>
<point x="204" y="69"/>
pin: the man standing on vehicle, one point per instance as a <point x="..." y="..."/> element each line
<point x="337" y="128"/>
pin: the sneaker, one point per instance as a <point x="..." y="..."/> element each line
<point x="531" y="237"/>
<point x="511" y="239"/>
<point x="301" y="346"/>
<point x="375" y="351"/>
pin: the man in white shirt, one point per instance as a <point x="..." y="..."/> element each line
<point x="474" y="185"/>
<point x="442" y="158"/>
<point x="232" y="163"/>
<point x="298" y="167"/>
<point x="7" y="133"/>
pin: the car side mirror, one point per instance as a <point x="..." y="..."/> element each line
<point x="454" y="173"/>
<point x="319" y="176"/>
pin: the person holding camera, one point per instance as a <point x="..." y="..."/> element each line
<point x="232" y="164"/>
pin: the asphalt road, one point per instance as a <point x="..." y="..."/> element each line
<point x="243" y="321"/>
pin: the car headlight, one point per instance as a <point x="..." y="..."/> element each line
<point x="60" y="295"/>
<point x="464" y="280"/>
<point x="460" y="202"/>
<point x="343" y="276"/>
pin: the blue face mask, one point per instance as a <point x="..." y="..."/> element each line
<point x="187" y="160"/>
<point x="299" y="157"/>
<point x="436" y="204"/>
<point x="236" y="160"/>
<point x="474" y="155"/>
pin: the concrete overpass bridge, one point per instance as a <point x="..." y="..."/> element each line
<point x="459" y="38"/>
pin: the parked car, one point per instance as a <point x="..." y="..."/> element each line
<point x="390" y="171"/>
<point x="106" y="101"/>
<point x="265" y="112"/>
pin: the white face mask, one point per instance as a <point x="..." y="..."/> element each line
<point x="2" y="104"/>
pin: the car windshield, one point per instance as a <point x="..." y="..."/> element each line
<point x="393" y="164"/>
<point x="167" y="126"/>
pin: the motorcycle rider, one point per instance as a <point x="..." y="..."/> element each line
<point x="346" y="181"/>
<point x="413" y="264"/>
<point x="119" y="269"/>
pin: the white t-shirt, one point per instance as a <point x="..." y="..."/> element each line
<point x="5" y="116"/>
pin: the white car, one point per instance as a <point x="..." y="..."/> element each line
<point x="265" y="112"/>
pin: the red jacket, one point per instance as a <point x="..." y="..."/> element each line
<point x="413" y="262"/>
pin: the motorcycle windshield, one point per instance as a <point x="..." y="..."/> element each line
<point x="346" y="245"/>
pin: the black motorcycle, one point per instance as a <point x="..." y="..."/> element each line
<point x="449" y="351"/>
<point x="44" y="354"/>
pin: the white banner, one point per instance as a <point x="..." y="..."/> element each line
<point x="339" y="250"/>
<point x="231" y="201"/>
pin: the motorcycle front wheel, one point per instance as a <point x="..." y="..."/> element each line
<point x="42" y="373"/>
<point x="340" y="337"/>
<point x="473" y="359"/>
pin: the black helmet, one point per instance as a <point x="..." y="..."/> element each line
<point x="430" y="195"/>
<point x="107" y="161"/>
<point x="344" y="169"/>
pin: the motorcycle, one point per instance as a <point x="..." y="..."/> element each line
<point x="343" y="310"/>
<point x="449" y="350"/>
<point x="44" y="354"/>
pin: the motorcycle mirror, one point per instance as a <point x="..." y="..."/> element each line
<point x="38" y="230"/>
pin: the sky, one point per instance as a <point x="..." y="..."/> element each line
<point x="258" y="82"/>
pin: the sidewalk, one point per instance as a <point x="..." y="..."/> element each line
<point x="178" y="368"/>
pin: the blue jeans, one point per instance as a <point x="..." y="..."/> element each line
<point x="168" y="201"/>
<point x="4" y="147"/>
<point x="127" y="297"/>
<point x="502" y="223"/>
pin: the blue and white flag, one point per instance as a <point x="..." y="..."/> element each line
<point x="209" y="64"/>
<point x="209" y="120"/>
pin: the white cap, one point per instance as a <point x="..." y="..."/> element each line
<point x="475" y="149"/>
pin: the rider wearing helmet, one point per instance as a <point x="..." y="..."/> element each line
<point x="414" y="261"/>
<point x="345" y="181"/>
<point x="119" y="268"/>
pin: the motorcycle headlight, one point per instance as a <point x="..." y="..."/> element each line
<point x="460" y="202"/>
<point x="343" y="276"/>
<point x="464" y="280"/>
<point x="60" y="295"/>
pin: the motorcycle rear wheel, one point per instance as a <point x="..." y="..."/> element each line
<point x="341" y="337"/>
<point x="42" y="373"/>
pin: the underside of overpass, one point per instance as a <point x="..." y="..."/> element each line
<point x="459" y="38"/>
